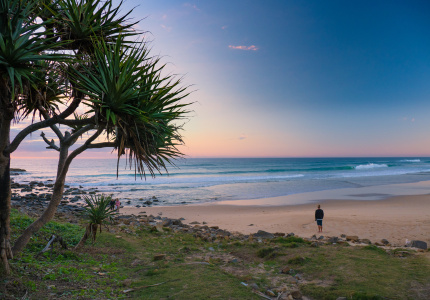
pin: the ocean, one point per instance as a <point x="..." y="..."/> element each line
<point x="198" y="180"/>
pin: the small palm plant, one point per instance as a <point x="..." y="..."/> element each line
<point x="98" y="212"/>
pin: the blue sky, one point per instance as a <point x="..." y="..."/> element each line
<point x="298" y="78"/>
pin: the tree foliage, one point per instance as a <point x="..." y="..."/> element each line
<point x="81" y="64"/>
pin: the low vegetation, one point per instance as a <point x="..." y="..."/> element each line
<point x="143" y="263"/>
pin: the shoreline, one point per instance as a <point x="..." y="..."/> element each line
<point x="394" y="218"/>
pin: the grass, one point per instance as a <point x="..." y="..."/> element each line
<point x="121" y="265"/>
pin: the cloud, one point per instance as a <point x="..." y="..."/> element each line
<point x="167" y="28"/>
<point x="224" y="27"/>
<point x="407" y="119"/>
<point x="193" y="6"/>
<point x="246" y="48"/>
<point x="242" y="136"/>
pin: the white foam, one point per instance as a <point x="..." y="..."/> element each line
<point x="370" y="166"/>
<point x="410" y="160"/>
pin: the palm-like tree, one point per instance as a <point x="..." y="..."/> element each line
<point x="126" y="98"/>
<point x="98" y="213"/>
<point x="22" y="47"/>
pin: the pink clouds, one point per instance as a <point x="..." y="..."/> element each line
<point x="246" y="48"/>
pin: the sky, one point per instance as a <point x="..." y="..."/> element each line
<point x="293" y="78"/>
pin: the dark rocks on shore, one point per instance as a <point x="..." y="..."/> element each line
<point x="263" y="234"/>
<point x="419" y="244"/>
<point x="352" y="238"/>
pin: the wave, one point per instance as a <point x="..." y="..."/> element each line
<point x="370" y="166"/>
<point x="189" y="180"/>
<point x="410" y="160"/>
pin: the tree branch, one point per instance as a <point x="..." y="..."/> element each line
<point x="75" y="122"/>
<point x="78" y="133"/>
<point x="61" y="119"/>
<point x="29" y="129"/>
<point x="50" y="143"/>
<point x="78" y="151"/>
<point x="53" y="127"/>
<point x="102" y="145"/>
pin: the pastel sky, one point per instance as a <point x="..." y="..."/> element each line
<point x="295" y="78"/>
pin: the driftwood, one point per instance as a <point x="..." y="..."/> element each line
<point x="261" y="294"/>
<point x="50" y="245"/>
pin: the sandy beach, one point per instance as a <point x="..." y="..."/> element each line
<point x="395" y="218"/>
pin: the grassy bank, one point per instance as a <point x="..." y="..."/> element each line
<point x="143" y="263"/>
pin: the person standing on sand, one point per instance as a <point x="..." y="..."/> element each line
<point x="112" y="204"/>
<point x="319" y="216"/>
<point x="117" y="204"/>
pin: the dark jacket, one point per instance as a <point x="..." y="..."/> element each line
<point x="319" y="214"/>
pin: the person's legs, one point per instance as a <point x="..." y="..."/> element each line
<point x="319" y="223"/>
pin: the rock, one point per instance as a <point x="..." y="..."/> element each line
<point x="419" y="244"/>
<point x="159" y="227"/>
<point x="166" y="222"/>
<point x="365" y="241"/>
<point x="296" y="294"/>
<point x="279" y="234"/>
<point x="270" y="293"/>
<point x="254" y="286"/>
<point x="333" y="240"/>
<point x="341" y="298"/>
<point x="263" y="234"/>
<point x="194" y="222"/>
<point x="352" y="238"/>
<point x="385" y="242"/>
<point x="314" y="244"/>
<point x="159" y="257"/>
<point x="321" y="237"/>
<point x="285" y="270"/>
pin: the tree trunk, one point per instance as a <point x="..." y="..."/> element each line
<point x="90" y="231"/>
<point x="49" y="212"/>
<point x="5" y="191"/>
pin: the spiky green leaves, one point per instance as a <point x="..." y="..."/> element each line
<point x="97" y="209"/>
<point x="136" y="105"/>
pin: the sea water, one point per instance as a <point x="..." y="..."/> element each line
<point x="198" y="180"/>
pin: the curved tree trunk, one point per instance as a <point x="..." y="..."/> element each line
<point x="49" y="212"/>
<point x="6" y="116"/>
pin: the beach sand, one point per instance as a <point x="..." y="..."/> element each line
<point x="395" y="218"/>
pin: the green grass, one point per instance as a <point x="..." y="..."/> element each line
<point x="124" y="267"/>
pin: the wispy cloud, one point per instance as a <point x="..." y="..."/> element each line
<point x="407" y="119"/>
<point x="167" y="28"/>
<point x="193" y="6"/>
<point x="242" y="136"/>
<point x="224" y="27"/>
<point x="246" y="48"/>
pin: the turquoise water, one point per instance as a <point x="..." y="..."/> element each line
<point x="197" y="180"/>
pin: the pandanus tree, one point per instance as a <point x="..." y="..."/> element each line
<point x="98" y="212"/>
<point x="78" y="54"/>
<point x="130" y="107"/>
